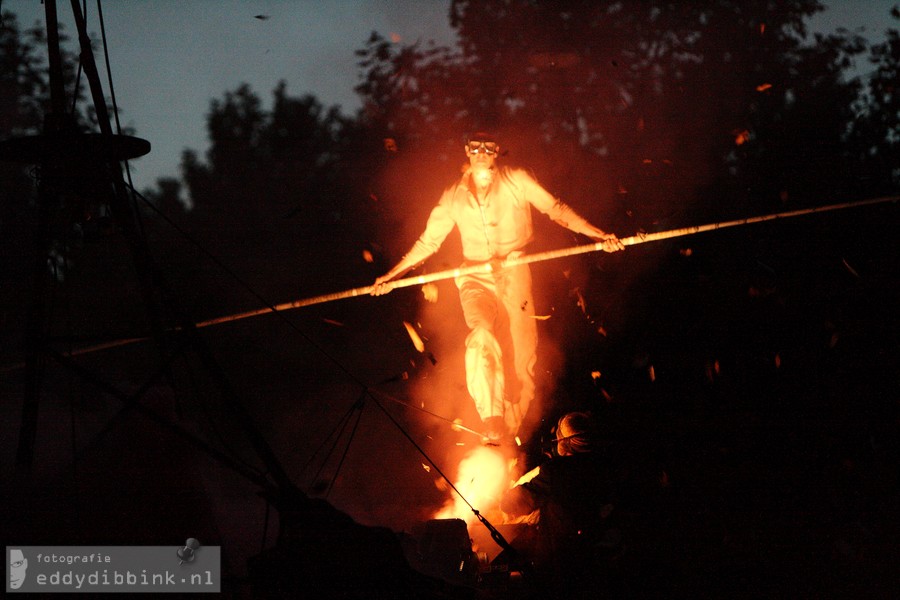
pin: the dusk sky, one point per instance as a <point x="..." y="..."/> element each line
<point x="171" y="58"/>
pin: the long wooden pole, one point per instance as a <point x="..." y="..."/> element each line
<point x="491" y="266"/>
<point x="539" y="257"/>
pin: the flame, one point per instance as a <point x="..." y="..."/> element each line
<point x="482" y="477"/>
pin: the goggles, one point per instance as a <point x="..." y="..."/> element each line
<point x="476" y="147"/>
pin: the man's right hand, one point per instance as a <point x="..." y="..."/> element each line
<point x="381" y="286"/>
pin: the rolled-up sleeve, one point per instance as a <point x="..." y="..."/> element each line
<point x="439" y="225"/>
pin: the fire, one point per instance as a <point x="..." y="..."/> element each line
<point x="481" y="479"/>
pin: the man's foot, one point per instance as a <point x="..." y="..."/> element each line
<point x="495" y="431"/>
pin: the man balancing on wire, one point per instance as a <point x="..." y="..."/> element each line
<point x="491" y="207"/>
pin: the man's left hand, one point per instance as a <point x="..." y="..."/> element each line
<point x="610" y="242"/>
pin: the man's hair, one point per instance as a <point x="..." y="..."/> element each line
<point x="481" y="136"/>
<point x="575" y="432"/>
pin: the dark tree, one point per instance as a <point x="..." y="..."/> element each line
<point x="876" y="132"/>
<point x="655" y="106"/>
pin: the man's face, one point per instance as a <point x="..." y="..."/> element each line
<point x="482" y="153"/>
<point x="17" y="566"/>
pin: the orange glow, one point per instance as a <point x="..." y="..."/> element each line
<point x="390" y="144"/>
<point x="595" y="375"/>
<point x="333" y="322"/>
<point x="367" y="256"/>
<point x="481" y="478"/>
<point x="741" y="137"/>
<point x="763" y="87"/>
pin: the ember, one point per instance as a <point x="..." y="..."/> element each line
<point x="414" y="336"/>
<point x="430" y="292"/>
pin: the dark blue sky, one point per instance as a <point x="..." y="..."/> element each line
<point x="169" y="58"/>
